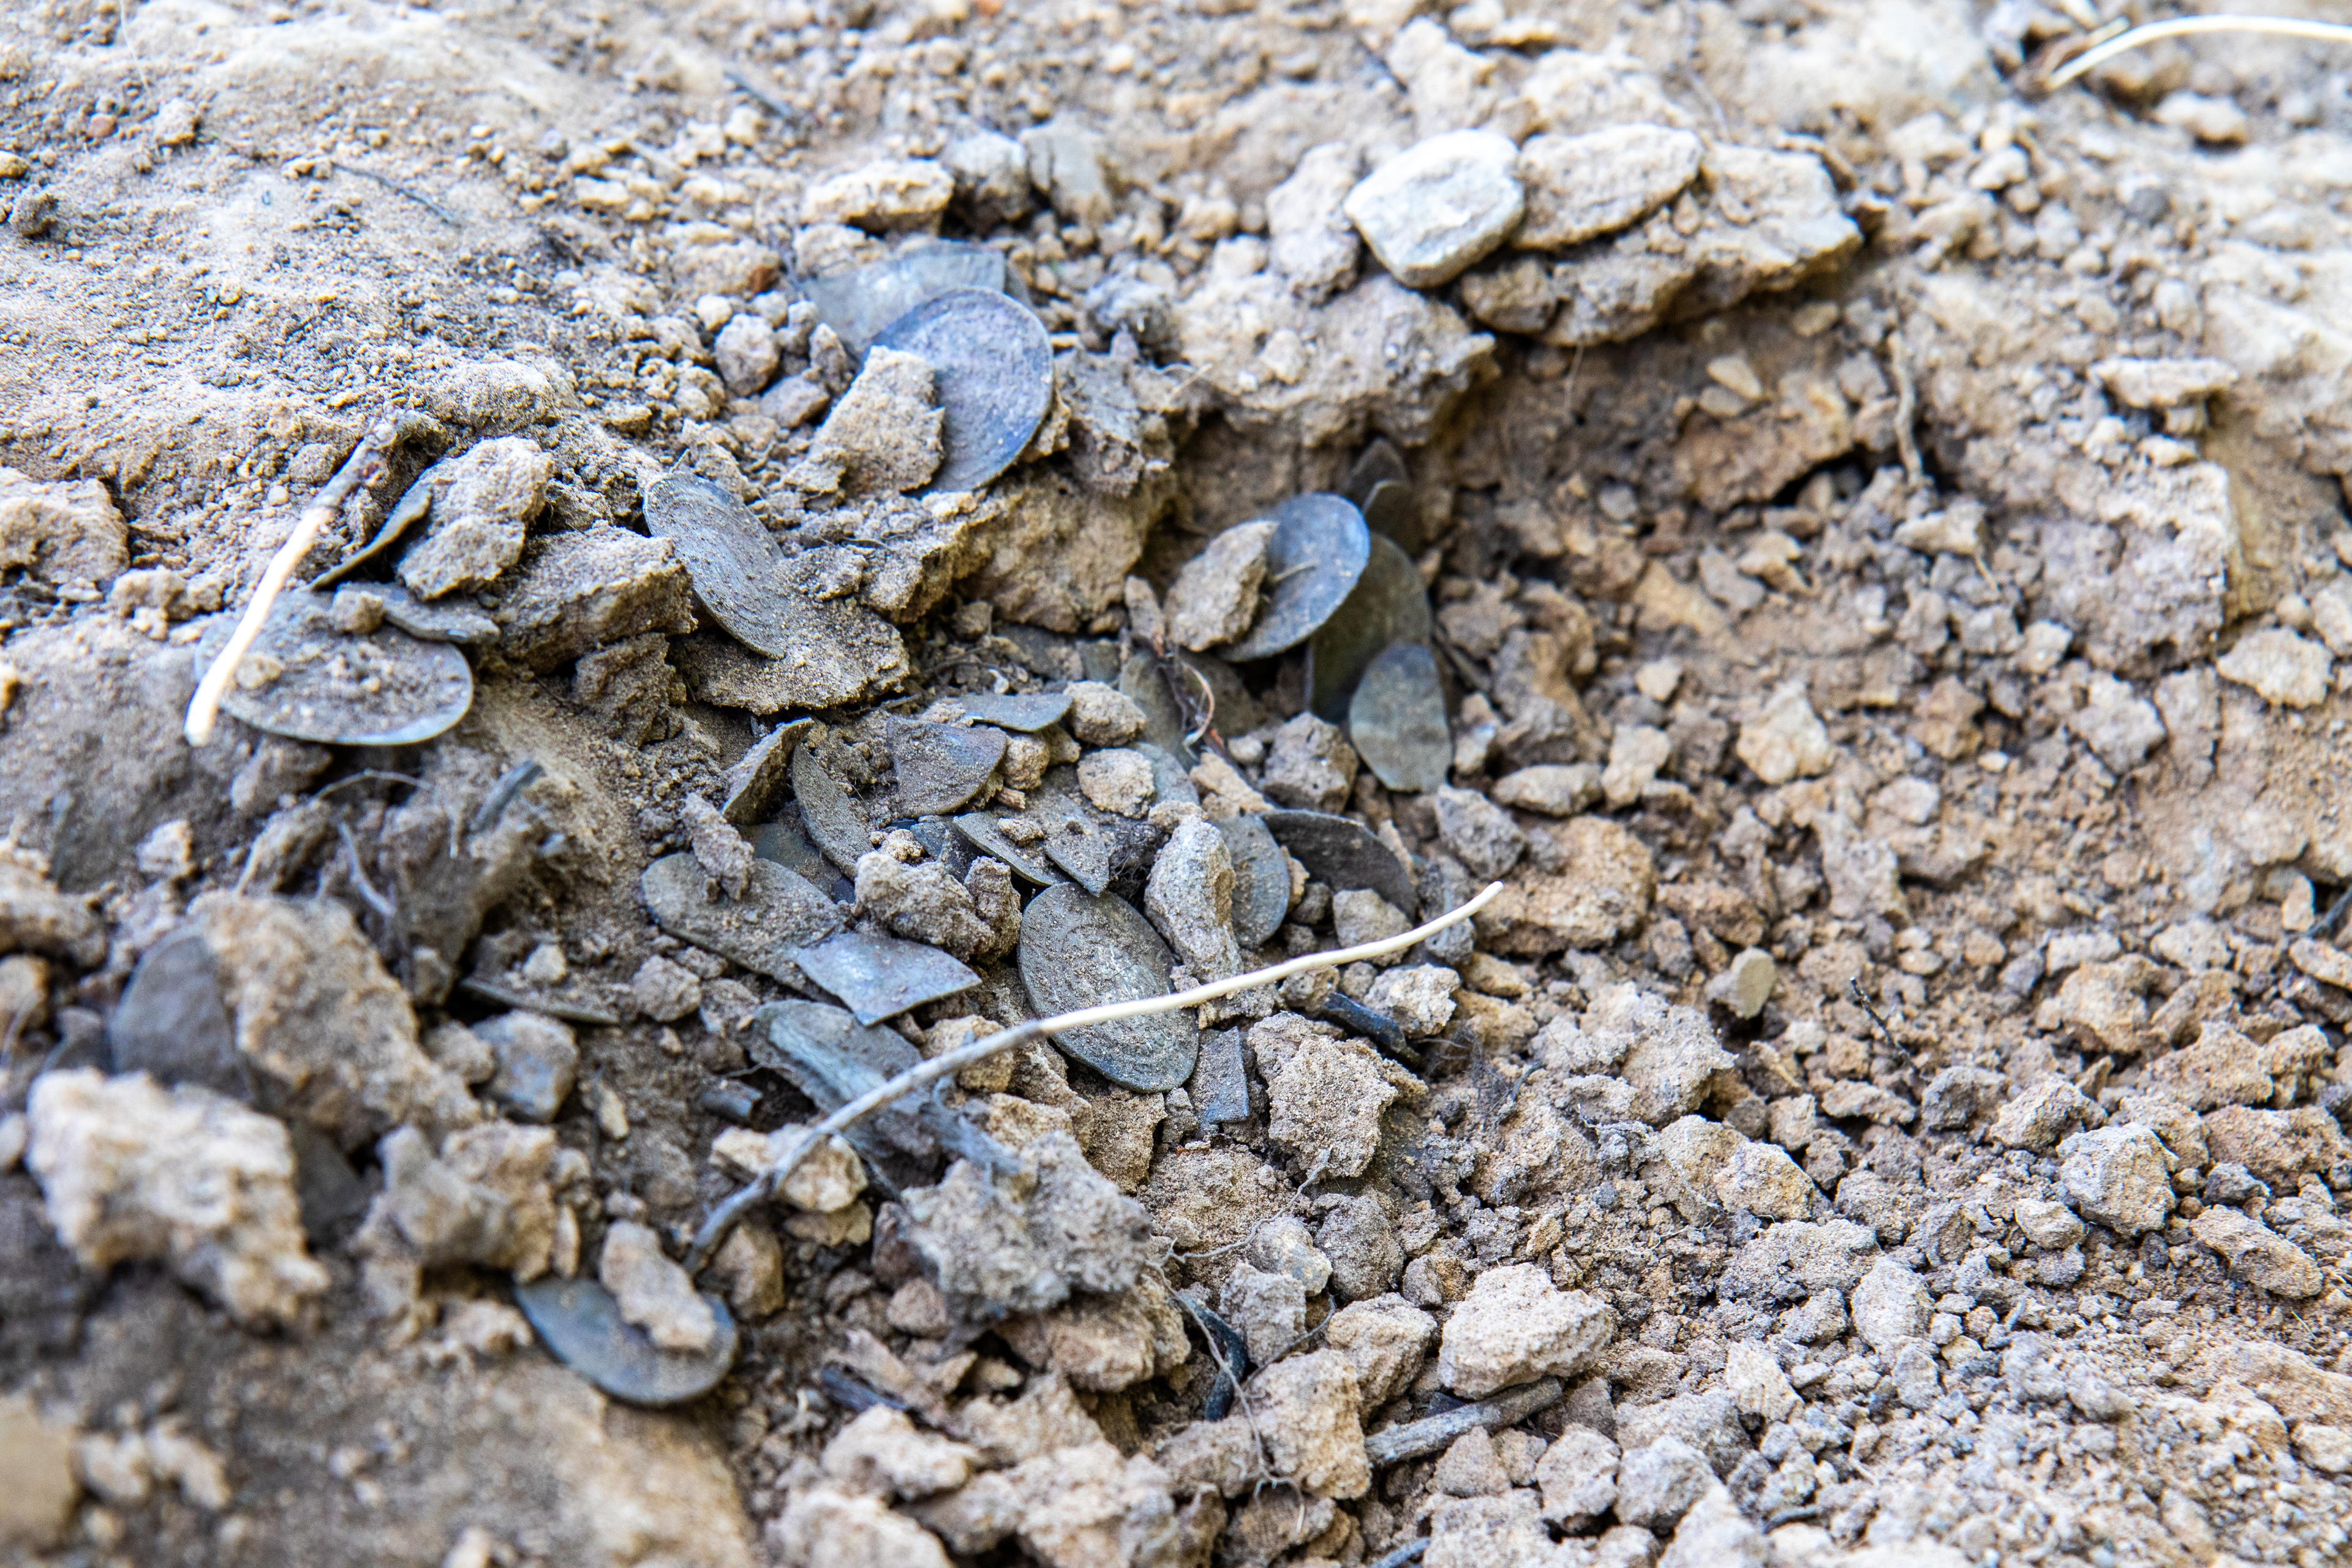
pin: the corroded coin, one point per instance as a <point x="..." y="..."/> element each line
<point x="1397" y="719"/>
<point x="1318" y="554"/>
<point x="830" y="815"/>
<point x="1343" y="855"/>
<point x="1028" y="711"/>
<point x="780" y="914"/>
<point x="942" y="766"/>
<point x="994" y="378"/>
<point x="734" y="561"/>
<point x="879" y="977"/>
<point x="306" y="680"/>
<point x="1388" y="606"/>
<point x="1078" y="950"/>
<point x="1261" y="880"/>
<point x="858" y="304"/>
<point x="582" y="1326"/>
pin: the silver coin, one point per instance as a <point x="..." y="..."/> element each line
<point x="879" y="977"/>
<point x="860" y="303"/>
<point x="1397" y="719"/>
<point x="941" y="767"/>
<point x="1078" y="950"/>
<point x="1261" y="880"/>
<point x="307" y="681"/>
<point x="993" y="367"/>
<point x="1343" y="855"/>
<point x="1388" y="606"/>
<point x="780" y="914"/>
<point x="734" y="561"/>
<point x="1312" y="562"/>
<point x="1028" y="711"/>
<point x="582" y="1326"/>
<point x="763" y="776"/>
<point x="831" y="815"/>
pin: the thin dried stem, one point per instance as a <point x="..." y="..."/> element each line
<point x="363" y="467"/>
<point x="2090" y="59"/>
<point x="724" y="1218"/>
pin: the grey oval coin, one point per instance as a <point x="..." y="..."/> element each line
<point x="428" y="620"/>
<point x="1378" y="464"/>
<point x="307" y="681"/>
<point x="1397" y="719"/>
<point x="1261" y="880"/>
<point x="1389" y="605"/>
<point x="942" y="766"/>
<point x="982" y="832"/>
<point x="734" y="561"/>
<point x="780" y="914"/>
<point x="860" y="303"/>
<point x="1078" y="950"/>
<point x="879" y="977"/>
<point x="1312" y="562"/>
<point x="763" y="776"/>
<point x="833" y="1058"/>
<point x="173" y="1024"/>
<point x="993" y="370"/>
<point x="1343" y="855"/>
<point x="1389" y="511"/>
<point x="784" y="842"/>
<point x="1028" y="711"/>
<point x="829" y="813"/>
<point x="582" y="1326"/>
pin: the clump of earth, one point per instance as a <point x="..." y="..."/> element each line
<point x="842" y="530"/>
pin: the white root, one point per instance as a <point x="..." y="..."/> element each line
<point x="2098" y="55"/>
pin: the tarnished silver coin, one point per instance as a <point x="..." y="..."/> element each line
<point x="1078" y="950"/>
<point x="1343" y="855"/>
<point x="1028" y="711"/>
<point x="1397" y="719"/>
<point x="1380" y="463"/>
<point x="831" y="816"/>
<point x="859" y="303"/>
<point x="736" y="565"/>
<point x="307" y="681"/>
<point x="428" y="620"/>
<point x="879" y="977"/>
<point x="784" y="841"/>
<point x="982" y="832"/>
<point x="1389" y="605"/>
<point x="833" y="1058"/>
<point x="582" y="1326"/>
<point x="763" y="776"/>
<point x="993" y="370"/>
<point x="780" y="914"/>
<point x="1318" y="554"/>
<point x="173" y="1023"/>
<point x="1261" y="880"/>
<point x="1389" y="511"/>
<point x="940" y="766"/>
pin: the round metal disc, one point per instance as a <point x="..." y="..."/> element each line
<point x="382" y="689"/>
<point x="1078" y="950"/>
<point x="1397" y="719"/>
<point x="582" y="1326"/>
<point x="1261" y="880"/>
<point x="734" y="561"/>
<point x="1318" y="554"/>
<point x="994" y="370"/>
<point x="1389" y="605"/>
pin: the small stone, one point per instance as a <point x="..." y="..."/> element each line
<point x="1713" y="1534"/>
<point x="1325" y="1095"/>
<point x="1516" y="1326"/>
<point x="1215" y="596"/>
<point x="2118" y="1177"/>
<point x="1189" y="897"/>
<point x="1070" y="164"/>
<point x="1360" y="916"/>
<point x="1757" y="1382"/>
<point x="1434" y="209"/>
<point x="823" y="1527"/>
<point x="1419" y="996"/>
<point x="1580" y="187"/>
<point x="537" y="1061"/>
<point x="1786" y="740"/>
<point x="1470" y="1468"/>
<point x="1656" y="1485"/>
<point x="2324" y="1447"/>
<point x="1480" y="834"/>
<point x="2259" y="1255"/>
<point x="583" y="589"/>
<point x="2047" y="1223"/>
<point x="653" y="1292"/>
<point x="65" y="532"/>
<point x="1386" y="1339"/>
<point x="991" y="178"/>
<point x="1310" y="240"/>
<point x="1744" y="987"/>
<point x="888" y="193"/>
<point x="2120" y="726"/>
<point x="1283" y="1246"/>
<point x="482" y="505"/>
<point x="750" y="1268"/>
<point x="2283" y="667"/>
<point x="882" y="1453"/>
<point x="1361" y="1246"/>
<point x="1103" y="715"/>
<point x="1890" y="1305"/>
<point x="2038" y="1118"/>
<point x="723" y="853"/>
<point x="883" y="436"/>
<point x="665" y="991"/>
<point x="1117" y="780"/>
<point x="1599" y="888"/>
<point x="1578" y="1476"/>
<point x="1311" y="766"/>
<point x="746" y="352"/>
<point x="1269" y="1308"/>
<point x="2215" y="121"/>
<point x="38" y="1458"/>
<point x="1554" y="789"/>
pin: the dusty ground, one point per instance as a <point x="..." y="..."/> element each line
<point x="1922" y="524"/>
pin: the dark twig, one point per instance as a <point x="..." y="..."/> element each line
<point x="397" y="188"/>
<point x="1862" y="1000"/>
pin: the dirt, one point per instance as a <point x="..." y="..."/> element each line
<point x="1883" y="530"/>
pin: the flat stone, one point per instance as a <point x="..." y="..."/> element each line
<point x="1079" y="950"/>
<point x="942" y="766"/>
<point x="306" y="680"/>
<point x="778" y="916"/>
<point x="581" y="1324"/>
<point x="1261" y="878"/>
<point x="1343" y="855"/>
<point x="763" y="776"/>
<point x="1318" y="554"/>
<point x="1580" y="187"/>
<point x="1388" y="606"/>
<point x="832" y="817"/>
<point x="1443" y="203"/>
<point x="1027" y="712"/>
<point x="993" y="370"/>
<point x="879" y="977"/>
<point x="1214" y="597"/>
<point x="859" y="304"/>
<point x="1396" y="720"/>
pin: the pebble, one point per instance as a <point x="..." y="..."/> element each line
<point x="1397" y="719"/>
<point x="1516" y="1326"/>
<point x="1317" y="554"/>
<point x="537" y="1059"/>
<point x="582" y="1326"/>
<point x="1078" y="950"/>
<point x="888" y="194"/>
<point x="1311" y="766"/>
<point x="1310" y="240"/>
<point x="1215" y="596"/>
<point x="1657" y="1484"/>
<point x="1118" y="780"/>
<point x="482" y="504"/>
<point x="1889" y="1306"/>
<point x="1554" y="789"/>
<point x="992" y="371"/>
<point x="2118" y="1177"/>
<point x="1580" y="187"/>
<point x="2279" y="666"/>
<point x="306" y="680"/>
<point x="1786" y="740"/>
<point x="1190" y="897"/>
<point x="587" y="588"/>
<point x="1440" y="206"/>
<point x="652" y="1292"/>
<point x="1102" y="715"/>
<point x="1578" y="1476"/>
<point x="1478" y="833"/>
<point x="1744" y="987"/>
<point x="885" y="435"/>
